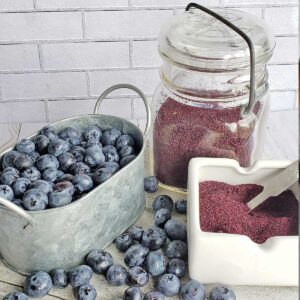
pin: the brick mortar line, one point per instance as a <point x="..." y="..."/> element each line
<point x="131" y="60"/>
<point x="47" y="110"/>
<point x="41" y="58"/>
<point x="88" y="83"/>
<point x="83" y="24"/>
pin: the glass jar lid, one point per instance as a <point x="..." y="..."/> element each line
<point x="198" y="40"/>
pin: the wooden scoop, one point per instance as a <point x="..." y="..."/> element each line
<point x="276" y="185"/>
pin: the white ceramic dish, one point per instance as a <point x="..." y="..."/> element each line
<point x="231" y="258"/>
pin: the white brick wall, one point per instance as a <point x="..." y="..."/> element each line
<point x="57" y="56"/>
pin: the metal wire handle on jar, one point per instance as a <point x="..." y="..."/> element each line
<point x="244" y="112"/>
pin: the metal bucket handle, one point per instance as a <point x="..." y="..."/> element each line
<point x="130" y="87"/>
<point x="18" y="211"/>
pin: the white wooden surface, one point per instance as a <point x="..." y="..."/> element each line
<point x="282" y="143"/>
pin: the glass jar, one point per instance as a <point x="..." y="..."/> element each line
<point x="201" y="107"/>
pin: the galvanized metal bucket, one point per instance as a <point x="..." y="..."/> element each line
<point x="61" y="237"/>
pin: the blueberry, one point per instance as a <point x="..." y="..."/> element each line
<point x="99" y="261"/>
<point x="161" y="217"/>
<point x="8" y="159"/>
<point x="16" y="296"/>
<point x="38" y="284"/>
<point x="59" y="278"/>
<point x="124" y="140"/>
<point x="11" y="169"/>
<point x="22" y="162"/>
<point x="49" y="133"/>
<point x="150" y="184"/>
<point x="111" y="156"/>
<point x="32" y="174"/>
<point x="86" y="292"/>
<point x="116" y="275"/>
<point x="163" y="201"/>
<point x="126" y="151"/>
<point x="92" y="142"/>
<point x="155" y="263"/>
<point x="35" y="199"/>
<point x="154" y="295"/>
<point x="177" y="249"/>
<point x="51" y="174"/>
<point x="135" y="255"/>
<point x="34" y="156"/>
<point x="20" y="186"/>
<point x="41" y="143"/>
<point x="66" y="160"/>
<point x="58" y="147"/>
<point x="109" y="148"/>
<point x="113" y="166"/>
<point x="66" y="177"/>
<point x="78" y="153"/>
<point x="80" y="275"/>
<point x="169" y="285"/>
<point x="181" y="206"/>
<point x="8" y="177"/>
<point x="136" y="233"/>
<point x="92" y="132"/>
<point x="80" y="168"/>
<point x="110" y="136"/>
<point x="222" y="293"/>
<point x="70" y="135"/>
<point x="47" y="161"/>
<point x="126" y="160"/>
<point x="133" y="293"/>
<point x="6" y="192"/>
<point x="123" y="242"/>
<point x="18" y="202"/>
<point x="44" y="186"/>
<point x="154" y="238"/>
<point x="176" y="230"/>
<point x="25" y="146"/>
<point x="137" y="276"/>
<point x="82" y="183"/>
<point x="177" y="267"/>
<point x="192" y="290"/>
<point x="94" y="156"/>
<point x="62" y="194"/>
<point x="102" y="175"/>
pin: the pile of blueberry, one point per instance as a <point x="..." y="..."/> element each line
<point x="55" y="168"/>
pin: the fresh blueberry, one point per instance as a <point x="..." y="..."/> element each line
<point x="155" y="263"/>
<point x="59" y="278"/>
<point x="113" y="166"/>
<point x="20" y="186"/>
<point x="136" y="232"/>
<point x="175" y="230"/>
<point x="35" y="199"/>
<point x="32" y="174"/>
<point x="80" y="168"/>
<point x="126" y="160"/>
<point x="18" y="202"/>
<point x="181" y="206"/>
<point x="80" y="275"/>
<point x="92" y="142"/>
<point x="51" y="174"/>
<point x="49" y="133"/>
<point x="161" y="217"/>
<point x="8" y="159"/>
<point x="124" y="140"/>
<point x="135" y="255"/>
<point x="58" y="147"/>
<point x="137" y="276"/>
<point x="70" y="135"/>
<point x="109" y="148"/>
<point x="123" y="242"/>
<point x="82" y="183"/>
<point x="110" y="136"/>
<point x="92" y="132"/>
<point x="78" y="152"/>
<point x="154" y="295"/>
<point x="66" y="177"/>
<point x="38" y="284"/>
<point x="99" y="261"/>
<point x="6" y="192"/>
<point x="16" y="296"/>
<point x="193" y="290"/>
<point x="150" y="184"/>
<point x="94" y="156"/>
<point x="34" y="156"/>
<point x="41" y="143"/>
<point x="8" y="177"/>
<point x="62" y="194"/>
<point x="116" y="275"/>
<point x="22" y="162"/>
<point x="44" y="186"/>
<point x="86" y="292"/>
<point x="177" y="249"/>
<point x="126" y="151"/>
<point x="66" y="160"/>
<point x="25" y="146"/>
<point x="133" y="293"/>
<point x="154" y="238"/>
<point x="11" y="169"/>
<point x="111" y="156"/>
<point x="47" y="161"/>
<point x="102" y="175"/>
<point x="177" y="267"/>
<point x="222" y="293"/>
<point x="169" y="285"/>
<point x="163" y="201"/>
